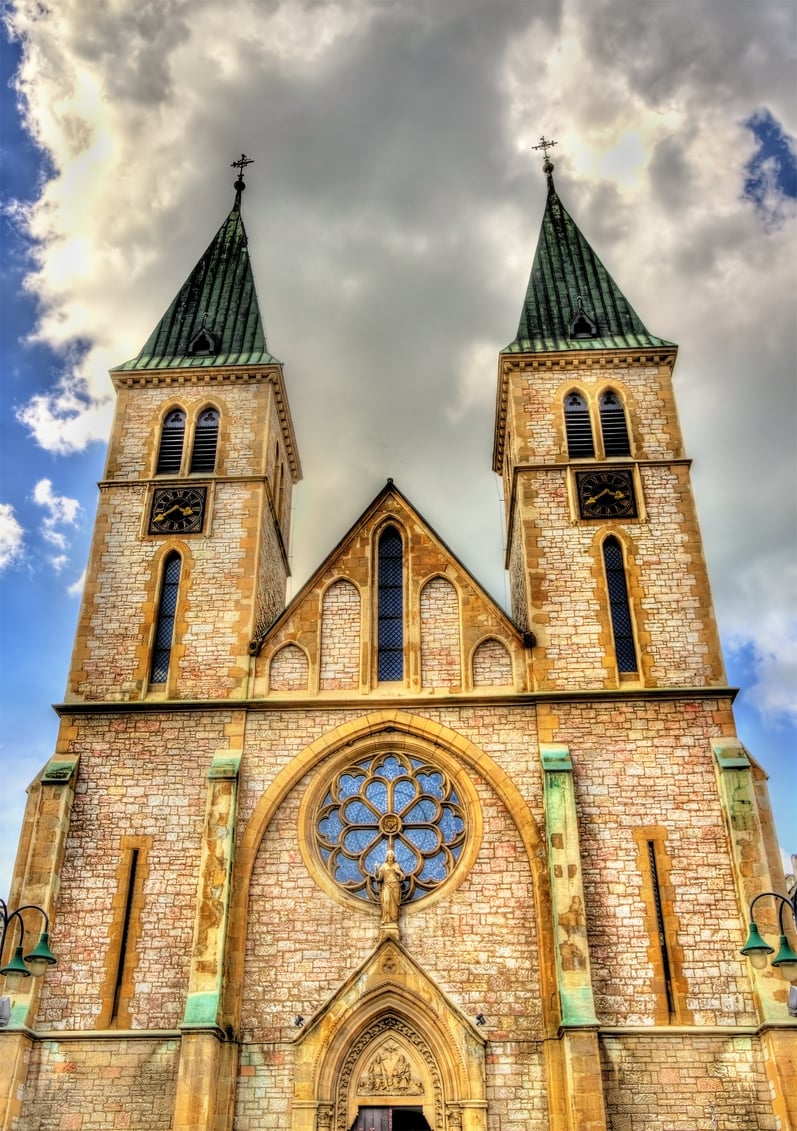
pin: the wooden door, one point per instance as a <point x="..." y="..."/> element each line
<point x="390" y="1119"/>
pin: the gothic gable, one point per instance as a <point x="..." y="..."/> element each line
<point x="391" y="610"/>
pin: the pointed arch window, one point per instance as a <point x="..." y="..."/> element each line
<point x="164" y="626"/>
<point x="206" y="438"/>
<point x="614" y="427"/>
<point x="170" y="452"/>
<point x="578" y="426"/>
<point x="390" y="606"/>
<point x="619" y="606"/>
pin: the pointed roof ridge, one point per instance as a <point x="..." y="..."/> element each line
<point x="572" y="302"/>
<point x="214" y="319"/>
<point x="389" y="488"/>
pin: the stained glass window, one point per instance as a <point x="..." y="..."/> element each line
<point x="164" y="629"/>
<point x="390" y="663"/>
<point x="624" y="647"/>
<point x="391" y="801"/>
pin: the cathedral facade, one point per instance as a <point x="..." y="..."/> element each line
<point x="389" y="858"/>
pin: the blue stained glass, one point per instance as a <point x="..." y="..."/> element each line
<point x="356" y="841"/>
<point x="376" y="792"/>
<point x="347" y="871"/>
<point x="348" y="784"/>
<point x="434" y="868"/>
<point x="356" y="812"/>
<point x="422" y="813"/>
<point x="427" y="840"/>
<point x="331" y="827"/>
<point x="405" y="857"/>
<point x="451" y="823"/>
<point x="432" y="783"/>
<point x="389" y="768"/>
<point x="404" y="793"/>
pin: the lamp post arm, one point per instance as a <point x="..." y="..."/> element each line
<point x="783" y="902"/>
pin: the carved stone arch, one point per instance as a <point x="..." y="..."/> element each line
<point x="389" y="1008"/>
<point x="440" y="620"/>
<point x="389" y="722"/>
<point x="340" y="636"/>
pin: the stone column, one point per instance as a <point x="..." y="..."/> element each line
<point x="38" y="870"/>
<point x="580" y="1075"/>
<point x="752" y="873"/>
<point x="207" y="1061"/>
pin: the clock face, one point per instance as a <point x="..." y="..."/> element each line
<point x="177" y="510"/>
<point x="606" y="494"/>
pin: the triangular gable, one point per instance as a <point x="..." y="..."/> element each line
<point x="449" y="621"/>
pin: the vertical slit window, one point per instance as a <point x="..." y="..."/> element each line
<point x="390" y="662"/>
<point x="624" y="647"/>
<point x="578" y="426"/>
<point x="614" y="427"/>
<point x="164" y="629"/>
<point x="125" y="936"/>
<point x="666" y="967"/>
<point x="206" y="436"/>
<point x="170" y="453"/>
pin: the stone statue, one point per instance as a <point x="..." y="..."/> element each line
<point x="390" y="877"/>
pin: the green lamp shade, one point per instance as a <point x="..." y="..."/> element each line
<point x="15" y="971"/>
<point x="756" y="948"/>
<point x="786" y="960"/>
<point x="41" y="956"/>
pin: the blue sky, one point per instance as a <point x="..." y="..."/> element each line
<point x="392" y="211"/>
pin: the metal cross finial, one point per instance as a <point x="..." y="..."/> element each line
<point x="239" y="185"/>
<point x="241" y="164"/>
<point x="544" y="146"/>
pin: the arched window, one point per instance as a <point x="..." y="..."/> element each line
<point x="170" y="453"/>
<point x="203" y="453"/>
<point x="614" y="427"/>
<point x="390" y="662"/>
<point x="164" y="629"/>
<point x="624" y="647"/>
<point x="578" y="427"/>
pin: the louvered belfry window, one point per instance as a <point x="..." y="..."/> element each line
<point x="390" y="663"/>
<point x="206" y="436"/>
<point x="624" y="647"/>
<point x="614" y="426"/>
<point x="170" y="453"/>
<point x="578" y="426"/>
<point x="164" y="629"/>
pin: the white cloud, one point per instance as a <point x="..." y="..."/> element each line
<point x="61" y="511"/>
<point x="11" y="537"/>
<point x="76" y="588"/>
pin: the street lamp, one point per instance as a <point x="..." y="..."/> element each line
<point x="757" y="949"/>
<point x="33" y="964"/>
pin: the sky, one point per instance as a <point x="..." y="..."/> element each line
<point x="392" y="210"/>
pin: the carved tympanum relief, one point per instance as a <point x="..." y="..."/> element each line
<point x="389" y="1071"/>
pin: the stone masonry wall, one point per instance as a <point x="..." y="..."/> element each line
<point x="102" y="1085"/>
<point x="492" y="665"/>
<point x="677" y="1083"/>
<point x="440" y="647"/>
<point x="340" y="637"/>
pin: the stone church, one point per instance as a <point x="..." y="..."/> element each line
<point x="390" y="858"/>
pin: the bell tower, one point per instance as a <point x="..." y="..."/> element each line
<point x="190" y="554"/>
<point x="604" y="554"/>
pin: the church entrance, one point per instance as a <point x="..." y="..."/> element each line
<point x="390" y="1119"/>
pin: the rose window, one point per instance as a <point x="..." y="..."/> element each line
<point x="393" y="802"/>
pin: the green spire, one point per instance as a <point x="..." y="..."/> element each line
<point x="215" y="317"/>
<point x="572" y="302"/>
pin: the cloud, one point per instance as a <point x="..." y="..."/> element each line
<point x="61" y="511"/>
<point x="771" y="173"/>
<point x="76" y="588"/>
<point x="11" y="537"/>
